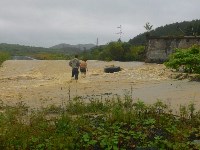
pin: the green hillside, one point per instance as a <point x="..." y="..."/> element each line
<point x="16" y="49"/>
<point x="38" y="52"/>
<point x="186" y="28"/>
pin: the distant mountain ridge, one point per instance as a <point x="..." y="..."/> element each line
<point x="16" y="49"/>
<point x="77" y="46"/>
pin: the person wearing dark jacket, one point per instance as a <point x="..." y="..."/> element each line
<point x="75" y="64"/>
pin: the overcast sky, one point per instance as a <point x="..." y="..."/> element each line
<point x="49" y="22"/>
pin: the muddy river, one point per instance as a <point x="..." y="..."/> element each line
<point x="45" y="82"/>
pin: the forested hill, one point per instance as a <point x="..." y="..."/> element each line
<point x="16" y="49"/>
<point x="186" y="28"/>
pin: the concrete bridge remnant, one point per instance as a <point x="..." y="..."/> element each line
<point x="160" y="47"/>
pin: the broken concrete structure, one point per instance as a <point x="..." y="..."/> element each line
<point x="159" y="48"/>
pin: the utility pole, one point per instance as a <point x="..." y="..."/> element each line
<point x="120" y="32"/>
<point x="97" y="42"/>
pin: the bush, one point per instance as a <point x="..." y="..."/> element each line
<point x="112" y="124"/>
<point x="187" y="60"/>
<point x="3" y="57"/>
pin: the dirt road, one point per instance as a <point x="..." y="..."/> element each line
<point x="41" y="82"/>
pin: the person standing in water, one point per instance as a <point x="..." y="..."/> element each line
<point x="75" y="64"/>
<point x="83" y="67"/>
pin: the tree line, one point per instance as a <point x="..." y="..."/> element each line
<point x="185" y="28"/>
<point x="118" y="51"/>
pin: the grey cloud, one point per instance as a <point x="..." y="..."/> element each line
<point x="49" y="22"/>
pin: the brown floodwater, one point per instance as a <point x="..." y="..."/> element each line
<point x="45" y="82"/>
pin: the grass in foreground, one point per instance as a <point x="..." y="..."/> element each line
<point x="113" y="124"/>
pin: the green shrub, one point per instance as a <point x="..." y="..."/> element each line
<point x="187" y="60"/>
<point x="3" y="57"/>
<point x="115" y="124"/>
